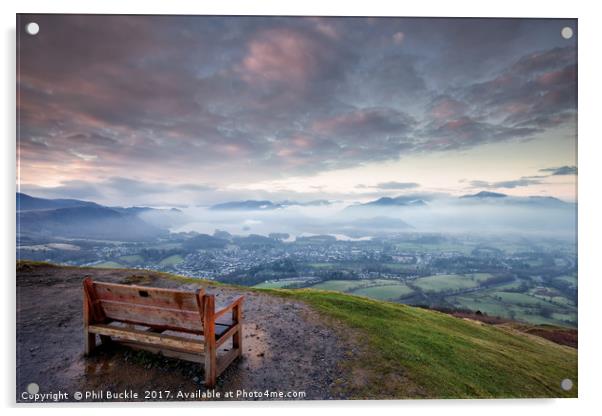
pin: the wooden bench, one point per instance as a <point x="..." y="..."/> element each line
<point x="175" y="323"/>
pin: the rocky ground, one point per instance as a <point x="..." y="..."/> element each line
<point x="288" y="347"/>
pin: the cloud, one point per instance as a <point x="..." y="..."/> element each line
<point x="119" y="190"/>
<point x="390" y="186"/>
<point x="466" y="132"/>
<point x="535" y="93"/>
<point x="511" y="184"/>
<point x="398" y="38"/>
<point x="562" y="170"/>
<point x="377" y="121"/>
<point x="243" y="99"/>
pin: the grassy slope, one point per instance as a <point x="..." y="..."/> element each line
<point x="413" y="352"/>
<point x="447" y="356"/>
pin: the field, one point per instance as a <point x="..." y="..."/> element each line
<point x="572" y="280"/>
<point x="108" y="265"/>
<point x="445" y="282"/>
<point x="133" y="259"/>
<point x="375" y="288"/>
<point x="277" y="284"/>
<point x="386" y="292"/>
<point x="520" y="306"/>
<point x="339" y="285"/>
<point x="536" y="305"/>
<point x="171" y="261"/>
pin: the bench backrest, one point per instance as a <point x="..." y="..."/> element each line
<point x="150" y="306"/>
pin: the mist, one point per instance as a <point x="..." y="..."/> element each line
<point x="347" y="220"/>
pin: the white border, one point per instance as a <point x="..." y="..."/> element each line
<point x="590" y="210"/>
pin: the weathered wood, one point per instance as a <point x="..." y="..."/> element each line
<point x="209" y="335"/>
<point x="89" y="339"/>
<point x="96" y="312"/>
<point x="166" y="352"/>
<point x="227" y="335"/>
<point x="152" y="316"/>
<point x="238" y="301"/>
<point x="169" y="341"/>
<point x="159" y="310"/>
<point x="237" y="336"/>
<point x="225" y="360"/>
<point x="140" y="295"/>
<point x="221" y="329"/>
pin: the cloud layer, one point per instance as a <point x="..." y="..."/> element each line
<point x="216" y="100"/>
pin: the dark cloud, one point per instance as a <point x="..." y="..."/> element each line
<point x="466" y="132"/>
<point x="535" y="93"/>
<point x="562" y="170"/>
<point x="274" y="97"/>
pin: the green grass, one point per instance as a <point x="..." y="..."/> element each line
<point x="386" y="292"/>
<point x="445" y="357"/>
<point x="518" y="306"/>
<point x="278" y="283"/>
<point x="171" y="261"/>
<point x="572" y="280"/>
<point x="484" y="304"/>
<point x="445" y="282"/>
<point x="132" y="259"/>
<point x="340" y="285"/>
<point x="518" y="298"/>
<point x="108" y="265"/>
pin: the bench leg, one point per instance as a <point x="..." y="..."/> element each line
<point x="208" y="305"/>
<point x="237" y="337"/>
<point x="237" y="340"/>
<point x="210" y="368"/>
<point x="89" y="343"/>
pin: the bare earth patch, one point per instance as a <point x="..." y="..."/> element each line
<point x="288" y="347"/>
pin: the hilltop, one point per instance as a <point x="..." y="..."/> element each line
<point x="331" y="345"/>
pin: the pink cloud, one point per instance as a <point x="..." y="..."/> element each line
<point x="282" y="56"/>
<point x="446" y="108"/>
<point x="560" y="76"/>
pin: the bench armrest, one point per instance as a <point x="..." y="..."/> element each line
<point x="237" y="302"/>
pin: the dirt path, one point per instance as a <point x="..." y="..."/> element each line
<point x="288" y="348"/>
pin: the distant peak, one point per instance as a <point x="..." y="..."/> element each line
<point x="485" y="194"/>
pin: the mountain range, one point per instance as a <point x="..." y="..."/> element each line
<point x="71" y="218"/>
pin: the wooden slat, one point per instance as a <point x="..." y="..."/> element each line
<point x="153" y="316"/>
<point x="224" y="361"/>
<point x="159" y="340"/>
<point x="140" y="295"/>
<point x="227" y="335"/>
<point x="236" y="302"/>
<point x="181" y="355"/>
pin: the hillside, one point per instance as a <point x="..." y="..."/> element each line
<point x="329" y="344"/>
<point x="71" y="218"/>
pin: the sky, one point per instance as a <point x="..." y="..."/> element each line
<point x="195" y="110"/>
